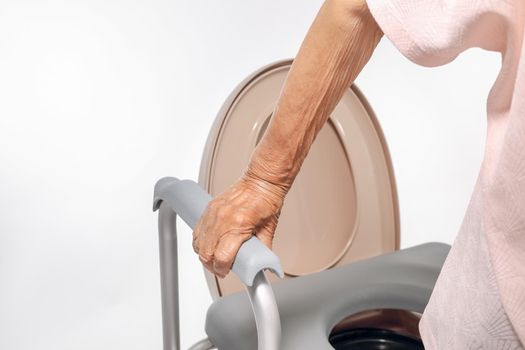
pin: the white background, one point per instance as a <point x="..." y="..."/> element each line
<point x="98" y="99"/>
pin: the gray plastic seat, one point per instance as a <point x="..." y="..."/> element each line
<point x="312" y="305"/>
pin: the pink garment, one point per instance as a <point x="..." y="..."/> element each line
<point x="479" y="298"/>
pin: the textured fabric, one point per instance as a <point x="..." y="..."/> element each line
<point x="479" y="299"/>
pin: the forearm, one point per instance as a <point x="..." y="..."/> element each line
<point x="337" y="46"/>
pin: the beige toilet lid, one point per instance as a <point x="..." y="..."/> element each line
<point x="343" y="204"/>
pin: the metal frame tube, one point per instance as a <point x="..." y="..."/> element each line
<point x="266" y="313"/>
<point x="173" y="196"/>
<point x="169" y="278"/>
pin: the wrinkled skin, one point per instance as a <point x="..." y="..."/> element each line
<point x="337" y="46"/>
<point x="248" y="207"/>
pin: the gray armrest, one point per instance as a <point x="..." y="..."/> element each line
<point x="188" y="200"/>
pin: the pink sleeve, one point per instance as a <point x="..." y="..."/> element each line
<point x="434" y="32"/>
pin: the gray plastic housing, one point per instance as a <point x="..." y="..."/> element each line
<point x="310" y="306"/>
<point x="188" y="200"/>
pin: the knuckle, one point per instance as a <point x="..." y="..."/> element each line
<point x="238" y="218"/>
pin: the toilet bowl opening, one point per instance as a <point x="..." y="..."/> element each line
<point x="380" y="329"/>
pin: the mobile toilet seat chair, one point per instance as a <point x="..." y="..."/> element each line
<point x="347" y="286"/>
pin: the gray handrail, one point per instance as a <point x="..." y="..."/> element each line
<point x="188" y="200"/>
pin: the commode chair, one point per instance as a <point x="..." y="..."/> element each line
<point x="346" y="284"/>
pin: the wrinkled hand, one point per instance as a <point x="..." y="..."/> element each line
<point x="248" y="207"/>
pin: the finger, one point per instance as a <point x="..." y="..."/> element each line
<point x="226" y="252"/>
<point x="202" y="235"/>
<point x="199" y="230"/>
<point x="210" y="232"/>
<point x="265" y="235"/>
<point x="195" y="245"/>
<point x="195" y="235"/>
<point x="206" y="259"/>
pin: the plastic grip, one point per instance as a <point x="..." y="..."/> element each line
<point x="188" y="200"/>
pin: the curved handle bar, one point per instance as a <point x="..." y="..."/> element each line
<point x="187" y="199"/>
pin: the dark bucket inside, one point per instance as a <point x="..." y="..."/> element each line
<point x="384" y="329"/>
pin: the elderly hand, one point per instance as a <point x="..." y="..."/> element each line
<point x="337" y="46"/>
<point x="251" y="206"/>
